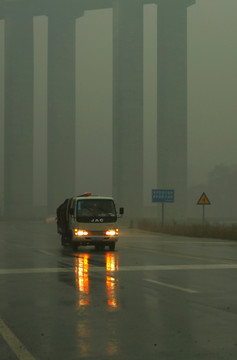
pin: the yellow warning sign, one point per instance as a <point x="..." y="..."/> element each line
<point x="203" y="200"/>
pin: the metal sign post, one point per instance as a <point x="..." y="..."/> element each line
<point x="163" y="214"/>
<point x="203" y="201"/>
<point x="203" y="215"/>
<point x="162" y="196"/>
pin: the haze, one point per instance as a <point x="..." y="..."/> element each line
<point x="212" y="89"/>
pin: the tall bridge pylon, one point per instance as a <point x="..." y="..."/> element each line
<point x="127" y="100"/>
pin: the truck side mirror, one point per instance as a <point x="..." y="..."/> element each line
<point x="71" y="211"/>
<point x="121" y="211"/>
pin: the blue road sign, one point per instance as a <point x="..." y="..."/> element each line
<point x="163" y="195"/>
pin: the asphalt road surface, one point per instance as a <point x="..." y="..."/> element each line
<point x="155" y="297"/>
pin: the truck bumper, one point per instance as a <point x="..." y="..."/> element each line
<point x="94" y="240"/>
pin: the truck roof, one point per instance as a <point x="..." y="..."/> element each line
<point x="84" y="197"/>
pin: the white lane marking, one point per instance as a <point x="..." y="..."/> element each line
<point x="16" y="346"/>
<point x="45" y="252"/>
<point x="182" y="254"/>
<point x="172" y="286"/>
<point x="170" y="267"/>
<point x="122" y="268"/>
<point x="34" y="271"/>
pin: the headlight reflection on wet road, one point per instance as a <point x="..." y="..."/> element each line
<point x="112" y="283"/>
<point x="91" y="295"/>
<point x="84" y="284"/>
<point x="82" y="279"/>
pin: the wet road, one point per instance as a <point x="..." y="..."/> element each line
<point x="155" y="297"/>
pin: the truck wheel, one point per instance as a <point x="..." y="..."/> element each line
<point x="112" y="246"/>
<point x="63" y="240"/>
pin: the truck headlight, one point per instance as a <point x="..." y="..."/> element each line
<point x="79" y="232"/>
<point x="112" y="232"/>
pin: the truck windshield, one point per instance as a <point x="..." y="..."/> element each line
<point x="96" y="210"/>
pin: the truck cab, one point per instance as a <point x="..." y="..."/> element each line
<point x="89" y="220"/>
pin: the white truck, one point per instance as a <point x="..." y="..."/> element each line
<point x="88" y="220"/>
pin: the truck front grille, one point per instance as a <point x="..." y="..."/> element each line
<point x="97" y="233"/>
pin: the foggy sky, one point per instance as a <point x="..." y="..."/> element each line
<point x="212" y="90"/>
<point x="212" y="74"/>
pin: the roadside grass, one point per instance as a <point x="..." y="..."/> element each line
<point x="195" y="230"/>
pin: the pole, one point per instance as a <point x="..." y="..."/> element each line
<point x="203" y="215"/>
<point x="163" y="214"/>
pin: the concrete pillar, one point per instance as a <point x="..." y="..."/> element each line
<point x="172" y="100"/>
<point x="18" y="148"/>
<point x="128" y="105"/>
<point x="61" y="107"/>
